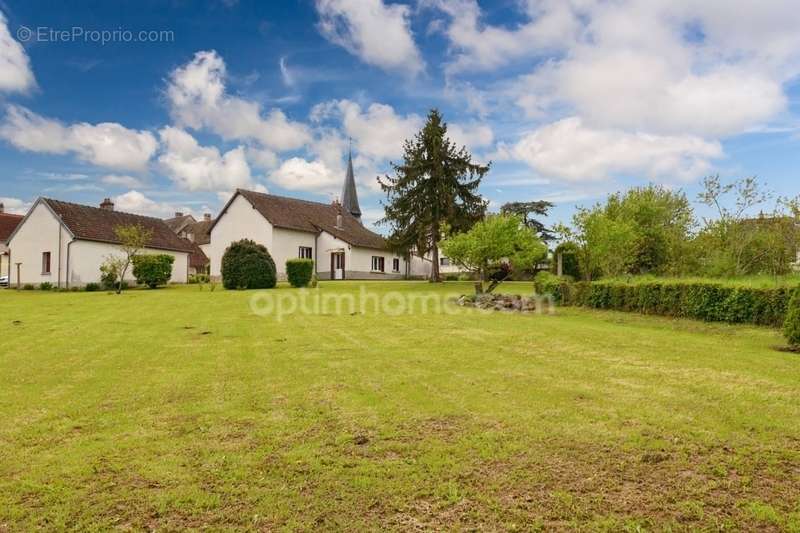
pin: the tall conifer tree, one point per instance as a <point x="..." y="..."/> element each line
<point x="435" y="188"/>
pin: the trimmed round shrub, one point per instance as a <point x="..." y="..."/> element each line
<point x="153" y="270"/>
<point x="791" y="326"/>
<point x="46" y="286"/>
<point x="299" y="272"/>
<point x="247" y="265"/>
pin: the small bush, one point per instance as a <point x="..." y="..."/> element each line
<point x="247" y="265"/>
<point x="153" y="270"/>
<point x="451" y="277"/>
<point x="74" y="289"/>
<point x="791" y="326"/>
<point x="46" y="286"/>
<point x="546" y="283"/>
<point x="299" y="272"/>
<point x="109" y="273"/>
<point x="28" y="287"/>
<point x="199" y="278"/>
<point x="92" y="287"/>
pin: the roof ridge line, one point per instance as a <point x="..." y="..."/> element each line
<point x="46" y="199"/>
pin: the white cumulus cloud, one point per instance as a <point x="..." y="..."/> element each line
<point x="202" y="168"/>
<point x="15" y="205"/>
<point x="198" y="99"/>
<point x="378" y="131"/>
<point x="477" y="46"/>
<point x="15" y="68"/>
<point x="107" y="144"/>
<point x="298" y="174"/>
<point x="134" y="201"/>
<point x="570" y="151"/>
<point x="377" y="33"/>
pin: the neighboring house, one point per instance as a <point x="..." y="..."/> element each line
<point x="330" y="234"/>
<point x="64" y="243"/>
<point x="448" y="267"/>
<point x="197" y="234"/>
<point x="180" y="224"/>
<point x="8" y="223"/>
<point x="341" y="247"/>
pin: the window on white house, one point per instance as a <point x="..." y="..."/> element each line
<point x="396" y="264"/>
<point x="444" y="261"/>
<point x="305" y="252"/>
<point x="377" y="263"/>
<point x="45" y="262"/>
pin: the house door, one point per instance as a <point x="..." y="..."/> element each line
<point x="337" y="265"/>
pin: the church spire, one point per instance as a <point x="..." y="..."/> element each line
<point x="349" y="195"/>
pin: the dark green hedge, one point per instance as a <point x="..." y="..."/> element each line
<point x="791" y="328"/>
<point x="710" y="302"/>
<point x="247" y="265"/>
<point x="153" y="269"/>
<point x="299" y="272"/>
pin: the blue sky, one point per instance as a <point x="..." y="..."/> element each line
<point x="570" y="99"/>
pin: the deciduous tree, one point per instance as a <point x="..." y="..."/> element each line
<point x="133" y="238"/>
<point x="491" y="244"/>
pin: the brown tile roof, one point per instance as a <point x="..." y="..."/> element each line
<point x="95" y="224"/>
<point x="198" y="258"/>
<point x="201" y="231"/>
<point x="8" y="223"/>
<point x="303" y="215"/>
<point x="176" y="224"/>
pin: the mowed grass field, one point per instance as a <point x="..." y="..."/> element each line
<point x="180" y="408"/>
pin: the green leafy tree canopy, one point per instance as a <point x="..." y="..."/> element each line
<point x="495" y="241"/>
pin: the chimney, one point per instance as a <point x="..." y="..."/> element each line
<point x="338" y="207"/>
<point x="107" y="204"/>
<point x="2" y="208"/>
<point x="207" y="217"/>
<point x="178" y="214"/>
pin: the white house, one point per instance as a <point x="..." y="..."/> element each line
<point x="8" y="223"/>
<point x="64" y="243"/>
<point x="341" y="247"/>
<point x="196" y="232"/>
<point x="330" y="234"/>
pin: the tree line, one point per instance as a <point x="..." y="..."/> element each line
<point x="432" y="201"/>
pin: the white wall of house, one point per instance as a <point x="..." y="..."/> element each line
<point x="39" y="233"/>
<point x="361" y="262"/>
<point x="4" y="262"/>
<point x="86" y="257"/>
<point x="358" y="261"/>
<point x="240" y="221"/>
<point x="419" y="266"/>
<point x="327" y="244"/>
<point x="286" y="244"/>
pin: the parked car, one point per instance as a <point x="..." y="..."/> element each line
<point x="3" y="281"/>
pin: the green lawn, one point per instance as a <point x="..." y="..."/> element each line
<point x="182" y="408"/>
